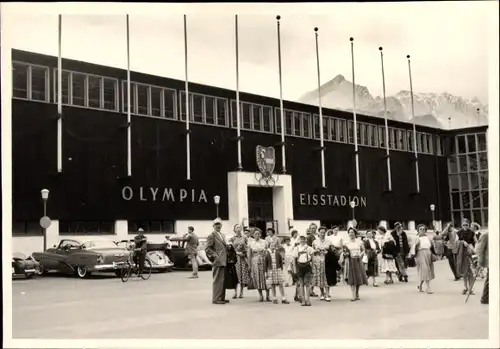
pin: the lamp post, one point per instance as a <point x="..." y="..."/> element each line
<point x="217" y="202"/>
<point x="352" y="204"/>
<point x="45" y="221"/>
<point x="432" y="207"/>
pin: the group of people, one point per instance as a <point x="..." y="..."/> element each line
<point x="320" y="258"/>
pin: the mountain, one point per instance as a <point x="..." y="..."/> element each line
<point x="441" y="110"/>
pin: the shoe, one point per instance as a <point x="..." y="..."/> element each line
<point x="284" y="301"/>
<point x="235" y="296"/>
<point x="219" y="302"/>
<point x="296" y="299"/>
<point x="465" y="291"/>
<point x="322" y="298"/>
<point x="328" y="299"/>
<point x="485" y="302"/>
<point x="241" y="296"/>
<point x="313" y="294"/>
<point x="225" y="300"/>
<point x="405" y="279"/>
<point x="275" y="301"/>
<point x="357" y="298"/>
<point x="375" y="285"/>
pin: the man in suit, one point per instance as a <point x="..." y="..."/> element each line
<point x="192" y="243"/>
<point x="216" y="250"/>
<point x="449" y="235"/>
<point x="482" y="258"/>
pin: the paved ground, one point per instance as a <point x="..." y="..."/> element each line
<point x="172" y="306"/>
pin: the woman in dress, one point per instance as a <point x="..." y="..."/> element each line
<point x="372" y="249"/>
<point x="256" y="255"/>
<point x="389" y="252"/>
<point x="240" y="243"/>
<point x="303" y="256"/>
<point x="423" y="251"/>
<point x="321" y="246"/>
<point x="230" y="277"/>
<point x="466" y="244"/>
<point x="355" y="273"/>
<point x="273" y="268"/>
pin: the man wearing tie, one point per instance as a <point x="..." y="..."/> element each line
<point x="216" y="250"/>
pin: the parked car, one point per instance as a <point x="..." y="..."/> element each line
<point x="82" y="259"/>
<point x="180" y="258"/>
<point x="22" y="265"/>
<point x="156" y="254"/>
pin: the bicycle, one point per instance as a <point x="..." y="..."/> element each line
<point x="130" y="267"/>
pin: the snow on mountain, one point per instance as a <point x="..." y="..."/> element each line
<point x="441" y="110"/>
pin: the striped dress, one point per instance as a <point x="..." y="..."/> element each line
<point x="318" y="262"/>
<point x="240" y="244"/>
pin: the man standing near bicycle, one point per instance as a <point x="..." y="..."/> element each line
<point x="141" y="243"/>
<point x="192" y="243"/>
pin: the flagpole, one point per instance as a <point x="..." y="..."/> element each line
<point x="238" y="107"/>
<point x="282" y="116"/>
<point x="387" y="153"/>
<point x="323" y="179"/>
<point x="129" y="107"/>
<point x="59" y="94"/>
<point x="188" y="115"/>
<point x="417" y="177"/>
<point x="354" y="115"/>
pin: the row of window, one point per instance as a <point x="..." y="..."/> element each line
<point x="97" y="92"/>
<point x="469" y="181"/>
<point x="473" y="199"/>
<point x="469" y="143"/>
<point x="468" y="163"/>
<point x="479" y="216"/>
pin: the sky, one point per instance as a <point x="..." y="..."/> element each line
<point x="448" y="42"/>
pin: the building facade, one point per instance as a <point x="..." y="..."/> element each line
<point x="93" y="194"/>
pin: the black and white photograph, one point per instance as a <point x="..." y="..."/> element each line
<point x="273" y="174"/>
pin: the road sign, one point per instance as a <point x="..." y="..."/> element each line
<point x="45" y="222"/>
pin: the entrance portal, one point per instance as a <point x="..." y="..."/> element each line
<point x="260" y="207"/>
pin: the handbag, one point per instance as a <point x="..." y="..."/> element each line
<point x="364" y="259"/>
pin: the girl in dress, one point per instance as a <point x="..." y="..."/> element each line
<point x="256" y="255"/>
<point x="423" y="251"/>
<point x="240" y="243"/>
<point x="303" y="256"/>
<point x="288" y="271"/>
<point x="273" y="268"/>
<point x="355" y="273"/>
<point x="271" y="238"/>
<point x="372" y="249"/>
<point x="389" y="252"/>
<point x="321" y="246"/>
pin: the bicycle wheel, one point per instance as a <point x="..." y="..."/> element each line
<point x="146" y="272"/>
<point x="125" y="272"/>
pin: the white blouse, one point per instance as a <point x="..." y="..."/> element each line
<point x="424" y="243"/>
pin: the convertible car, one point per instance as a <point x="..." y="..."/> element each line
<point x="82" y="259"/>
<point x="22" y="265"/>
<point x="156" y="254"/>
<point x="180" y="259"/>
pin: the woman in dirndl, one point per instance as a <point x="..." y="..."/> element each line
<point x="256" y="254"/>
<point x="466" y="243"/>
<point x="321" y="245"/>
<point x="355" y="275"/>
<point x="372" y="249"/>
<point x="273" y="269"/>
<point x="389" y="252"/>
<point x="423" y="252"/>
<point x="240" y="243"/>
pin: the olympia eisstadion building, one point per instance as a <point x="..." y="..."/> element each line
<point x="94" y="193"/>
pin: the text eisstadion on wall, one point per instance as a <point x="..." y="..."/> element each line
<point x="330" y="200"/>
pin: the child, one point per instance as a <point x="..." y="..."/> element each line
<point x="303" y="256"/>
<point x="273" y="268"/>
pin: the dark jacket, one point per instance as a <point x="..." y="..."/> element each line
<point x="406" y="245"/>
<point x="467" y="235"/>
<point x="268" y="263"/>
<point x="141" y="243"/>
<point x="389" y="250"/>
<point x="366" y="242"/>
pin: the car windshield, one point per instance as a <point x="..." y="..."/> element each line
<point x="99" y="244"/>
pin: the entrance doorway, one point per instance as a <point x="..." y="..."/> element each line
<point x="260" y="207"/>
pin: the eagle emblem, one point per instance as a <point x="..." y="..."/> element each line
<point x="266" y="160"/>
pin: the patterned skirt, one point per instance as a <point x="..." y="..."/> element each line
<point x="388" y="266"/>
<point x="425" y="266"/>
<point x="274" y="277"/>
<point x="258" y="278"/>
<point x="318" y="272"/>
<point x="355" y="273"/>
<point x="242" y="270"/>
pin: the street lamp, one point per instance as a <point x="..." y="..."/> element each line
<point x="432" y="207"/>
<point x="45" y="221"/>
<point x="352" y="204"/>
<point x="217" y="202"/>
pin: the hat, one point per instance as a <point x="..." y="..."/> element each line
<point x="217" y="221"/>
<point x="140" y="229"/>
<point x="397" y="225"/>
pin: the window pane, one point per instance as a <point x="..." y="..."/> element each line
<point x="169" y="106"/>
<point x="363" y="138"/>
<point x="277" y="118"/>
<point x="245" y="111"/>
<point x="475" y="199"/>
<point x="342" y="131"/>
<point x="333" y="129"/>
<point x="483" y="177"/>
<point x="33" y="228"/>
<point x="20" y="80"/>
<point x="198" y="102"/>
<point x="464" y="181"/>
<point x="94" y="91"/>
<point x="92" y="227"/>
<point x="325" y="128"/>
<point x="462" y="163"/>
<point x="110" y="87"/>
<point x="79" y="89"/>
<point x="454" y="183"/>
<point x="297" y="129"/>
<point x="222" y="112"/>
<point x="481" y="140"/>
<point x="483" y="161"/>
<point x="210" y="110"/>
<point x="306" y="125"/>
<point x="107" y="227"/>
<point x="142" y="99"/>
<point x="288" y="122"/>
<point x="316" y="126"/>
<point x="155" y="101"/>
<point x="399" y="140"/>
<point x="476" y="216"/>
<point x="473" y="163"/>
<point x="430" y="144"/>
<point x="461" y="144"/>
<point x="484" y="197"/>
<point x="419" y="142"/>
<point x="267" y="118"/>
<point x="65" y="86"/>
<point x="411" y="144"/>
<point x="350" y="131"/>
<point x="155" y="227"/>
<point x="457" y="218"/>
<point x="256" y="117"/>
<point x="474" y="180"/>
<point x="439" y="146"/>
<point x="39" y="83"/>
<point x="452" y="164"/>
<point x="168" y="227"/>
<point x="471" y="143"/>
<point x="465" y="197"/>
<point x="392" y="140"/>
<point x="485" y="218"/>
<point x="455" y="201"/>
<point x="234" y="114"/>
<point x="182" y="101"/>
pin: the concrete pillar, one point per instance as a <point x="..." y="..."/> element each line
<point x="383" y="224"/>
<point x="411" y="225"/>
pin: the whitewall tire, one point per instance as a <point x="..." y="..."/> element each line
<point x="82" y="272"/>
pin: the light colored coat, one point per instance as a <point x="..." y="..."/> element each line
<point x="216" y="249"/>
<point x="482" y="250"/>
